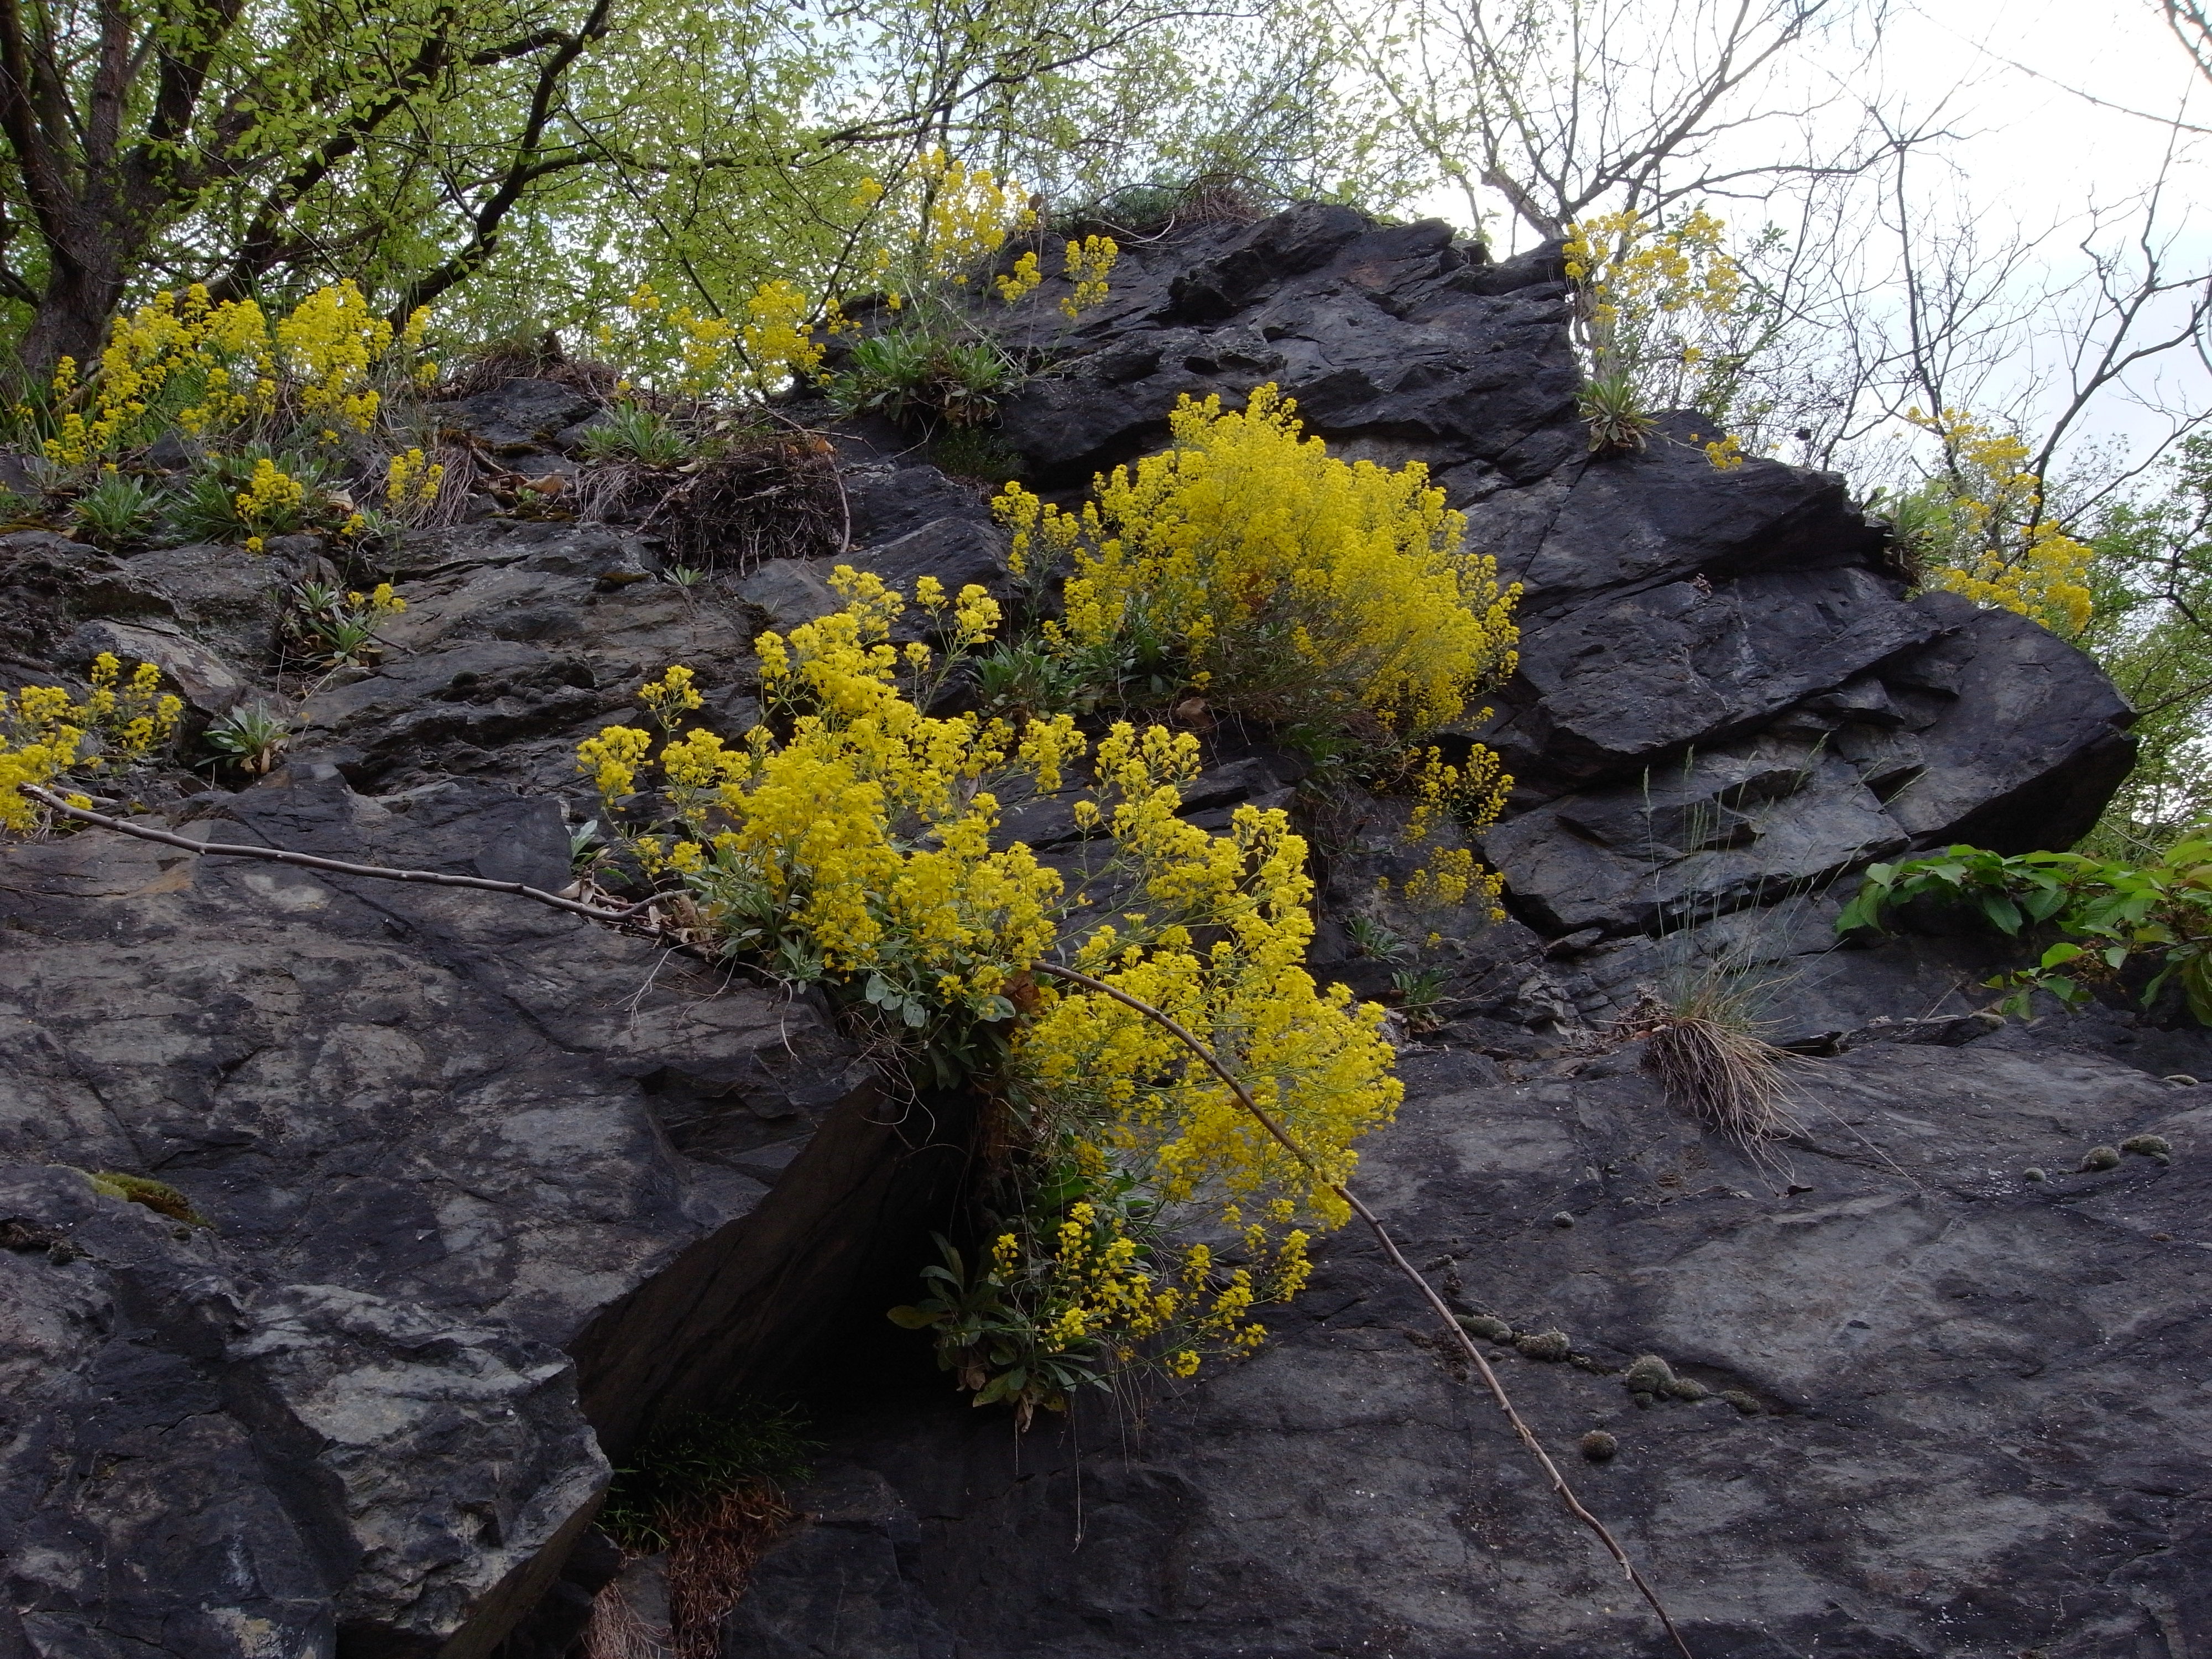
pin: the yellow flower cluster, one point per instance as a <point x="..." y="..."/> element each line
<point x="46" y="736"/>
<point x="1658" y="310"/>
<point x="868" y="829"/>
<point x="327" y="347"/>
<point x="947" y="218"/>
<point x="1090" y="262"/>
<point x="272" y="498"/>
<point x="966" y="214"/>
<point x="674" y="348"/>
<point x="778" y="341"/>
<point x="1311" y="1059"/>
<point x="214" y="368"/>
<point x="1022" y="279"/>
<point x="1628" y="264"/>
<point x="411" y="483"/>
<point x="1989" y="537"/>
<point x="850" y="838"/>
<point x="1471" y="796"/>
<point x="1295" y="582"/>
<point x="1093" y="1286"/>
<point x="210" y="350"/>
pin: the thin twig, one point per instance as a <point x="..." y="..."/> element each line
<point x="336" y="866"/>
<point x="1574" y="1505"/>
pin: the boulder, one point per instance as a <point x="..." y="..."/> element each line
<point x="519" y="414"/>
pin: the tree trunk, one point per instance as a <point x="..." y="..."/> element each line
<point x="70" y="319"/>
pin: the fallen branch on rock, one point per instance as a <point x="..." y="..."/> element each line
<point x="215" y="849"/>
<point x="631" y="914"/>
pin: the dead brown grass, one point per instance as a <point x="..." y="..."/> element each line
<point x="775" y="500"/>
<point x="1709" y="1061"/>
<point x="717" y="1545"/>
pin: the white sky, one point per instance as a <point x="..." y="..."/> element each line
<point x="2029" y="158"/>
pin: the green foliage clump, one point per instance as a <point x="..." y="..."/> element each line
<point x="117" y="509"/>
<point x="917" y="375"/>
<point x="689" y="1463"/>
<point x="632" y="431"/>
<point x="2150" y="629"/>
<point x="1613" y="410"/>
<point x="251" y="736"/>
<point x="2105" y="912"/>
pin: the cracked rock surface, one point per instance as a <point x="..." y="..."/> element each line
<point x="485" y="1188"/>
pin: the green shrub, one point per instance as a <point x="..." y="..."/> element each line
<point x="117" y="509"/>
<point x="631" y="431"/>
<point x="2105" y="912"/>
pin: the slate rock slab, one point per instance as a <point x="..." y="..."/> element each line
<point x="1965" y="1419"/>
<point x="434" y="1133"/>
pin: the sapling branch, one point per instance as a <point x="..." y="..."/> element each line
<point x="217" y="850"/>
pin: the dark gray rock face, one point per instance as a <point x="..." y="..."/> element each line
<point x="490" y="1187"/>
<point x="444" y="1146"/>
<point x="1960" y="1419"/>
<point x="1687" y="634"/>
<point x="518" y="415"/>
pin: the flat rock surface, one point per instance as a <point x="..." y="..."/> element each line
<point x="1972" y="1422"/>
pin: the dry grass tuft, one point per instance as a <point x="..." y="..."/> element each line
<point x="717" y="1545"/>
<point x="1710" y="1061"/>
<point x="778" y="500"/>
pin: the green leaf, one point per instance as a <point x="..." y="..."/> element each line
<point x="2002" y="911"/>
<point x="912" y="1319"/>
<point x="2197" y="985"/>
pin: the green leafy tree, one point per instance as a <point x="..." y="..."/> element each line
<point x="2151" y="629"/>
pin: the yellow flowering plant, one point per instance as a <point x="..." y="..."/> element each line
<point x="1300" y="588"/>
<point x="324" y="370"/>
<point x="1665" y="318"/>
<point x="49" y="739"/>
<point x="1980" y="527"/>
<point x="674" y="348"/>
<point x="852" y="840"/>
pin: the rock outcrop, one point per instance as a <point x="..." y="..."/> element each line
<point x="485" y="1188"/>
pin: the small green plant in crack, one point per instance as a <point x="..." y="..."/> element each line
<point x="337" y="626"/>
<point x="251" y="736"/>
<point x="1614" y="410"/>
<point x="1020" y="679"/>
<point x="684" y="577"/>
<point x="117" y="510"/>
<point x="588" y="844"/>
<point x="1421" y="1000"/>
<point x="631" y="431"/>
<point x="1377" y="940"/>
